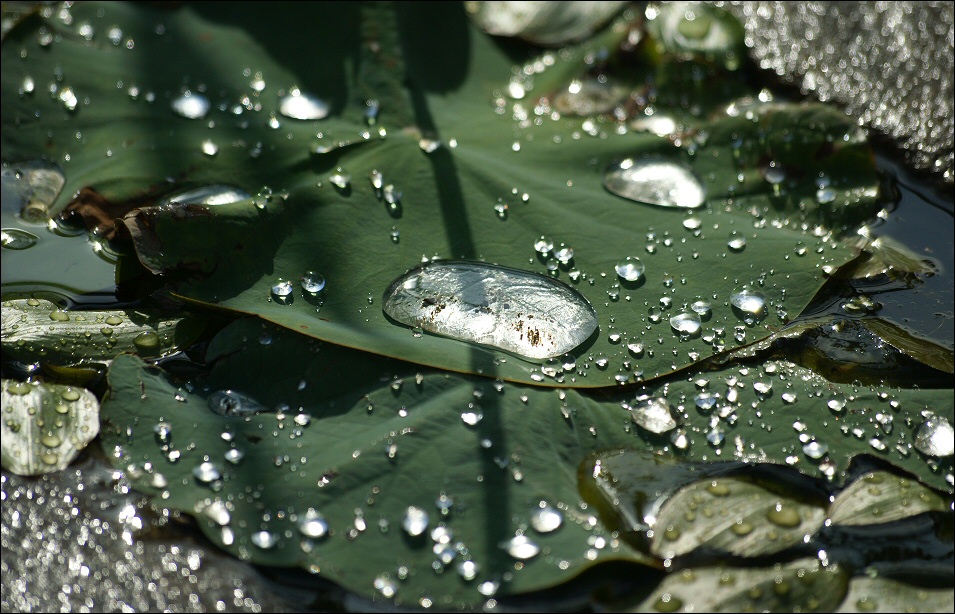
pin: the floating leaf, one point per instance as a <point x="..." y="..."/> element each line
<point x="472" y="168"/>
<point x="879" y="497"/>
<point x="36" y="330"/>
<point x="735" y="516"/>
<point x="319" y="476"/>
<point x="802" y="585"/>
<point x="45" y="425"/>
<point x="887" y="595"/>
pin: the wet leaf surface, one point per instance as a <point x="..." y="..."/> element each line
<point x="45" y="426"/>
<point x="454" y="169"/>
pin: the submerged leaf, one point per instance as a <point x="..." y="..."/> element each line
<point x="45" y="426"/>
<point x="879" y="497"/>
<point x="36" y="330"/>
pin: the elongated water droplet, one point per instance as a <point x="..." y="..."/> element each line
<point x="655" y="182"/>
<point x="191" y="106"/>
<point x="630" y="269"/>
<point x="298" y="105"/>
<point x="14" y="238"/>
<point x="233" y="403"/>
<point x="209" y="195"/>
<point x="653" y="414"/>
<point x="516" y="311"/>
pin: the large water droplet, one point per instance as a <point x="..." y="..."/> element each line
<point x="630" y="268"/>
<point x="686" y="324"/>
<point x="415" y="521"/>
<point x="749" y="303"/>
<point x="233" y="403"/>
<point x="520" y="547"/>
<point x="546" y="518"/>
<point x="282" y="292"/>
<point x="516" y="311"/>
<point x="191" y="106"/>
<point x="298" y="105"/>
<point x="655" y="182"/>
<point x="312" y="282"/>
<point x="206" y="472"/>
<point x="14" y="238"/>
<point x="264" y="539"/>
<point x="31" y="187"/>
<point x="312" y="525"/>
<point x="653" y="414"/>
<point x="935" y="437"/>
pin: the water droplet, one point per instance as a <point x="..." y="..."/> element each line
<point x="340" y="178"/>
<point x="312" y="282"/>
<point x="692" y="223"/>
<point x="209" y="148"/>
<point x="935" y="437"/>
<point x="14" y="238"/>
<point x="667" y="603"/>
<point x="564" y="254"/>
<point x="741" y="528"/>
<point x="630" y="269"/>
<point x="501" y="210"/>
<point x="209" y="195"/>
<point x="146" y="342"/>
<point x="653" y="414"/>
<point x="377" y="179"/>
<point x="686" y="325"/>
<point x="706" y="401"/>
<point x="163" y="431"/>
<point x="815" y="450"/>
<point x="385" y="585"/>
<point x="824" y="196"/>
<point x="217" y="512"/>
<point x="234" y="455"/>
<point x="749" y="303"/>
<point x="468" y="570"/>
<point x="282" y="292"/>
<point x="836" y="405"/>
<point x="298" y="105"/>
<point x="655" y="182"/>
<point x="471" y="418"/>
<point x="546" y="518"/>
<point x="233" y="403"/>
<point x="520" y="547"/>
<point x="264" y="539"/>
<point x="415" y="521"/>
<point x="516" y="311"/>
<point x="191" y="106"/>
<point x="737" y="242"/>
<point x="543" y="245"/>
<point x="206" y="472"/>
<point x="312" y="525"/>
<point x="783" y="516"/>
<point x="774" y="173"/>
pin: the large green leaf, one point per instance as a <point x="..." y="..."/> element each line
<point x="340" y="431"/>
<point x="361" y="441"/>
<point x="490" y="150"/>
